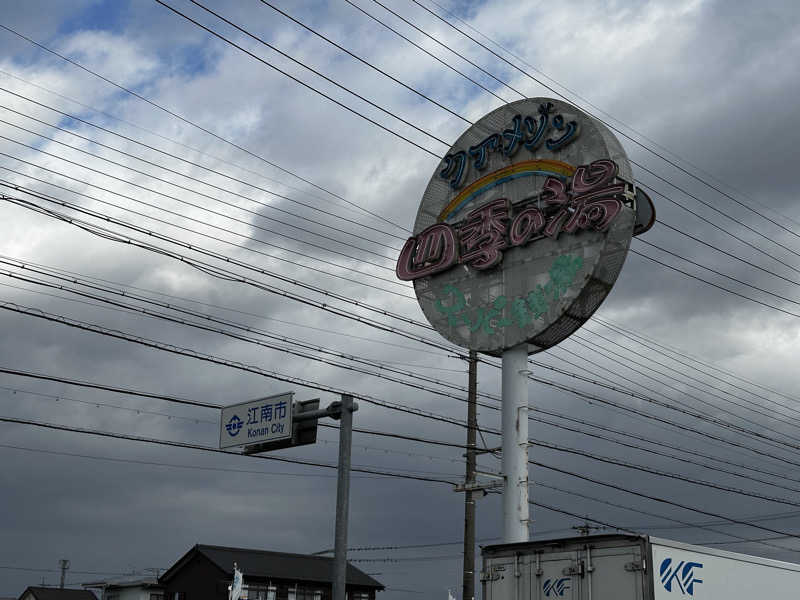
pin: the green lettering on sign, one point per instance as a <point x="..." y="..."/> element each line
<point x="522" y="311"/>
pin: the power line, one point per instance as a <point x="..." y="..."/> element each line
<point x="382" y="403"/>
<point x="296" y="80"/>
<point x="177" y="350"/>
<point x="632" y="139"/>
<point x="639" y="437"/>
<point x="224" y="273"/>
<point x="668" y="455"/>
<point x="627" y="490"/>
<point x="625" y="390"/>
<point x="174" y="444"/>
<point x="178" y="400"/>
<point x="338" y="241"/>
<point x="686" y="364"/>
<point x="177" y="466"/>
<point x="716" y="272"/>
<point x="62" y="271"/>
<point x="181" y="351"/>
<point x="581" y="340"/>
<point x="366" y="62"/>
<point x="207" y="196"/>
<point x="714" y="285"/>
<point x="575" y="94"/>
<point x="717" y="226"/>
<point x="534" y="419"/>
<point x="188" y="122"/>
<point x="738" y="538"/>
<point x="591" y="398"/>
<point x="685" y="354"/>
<point x="107" y="434"/>
<point x="679" y="231"/>
<point x="725" y="440"/>
<point x="459" y="398"/>
<point x="227" y="322"/>
<point x="134" y="227"/>
<point x="42" y="196"/>
<point x="349" y="207"/>
<point x="691" y="412"/>
<point x="433" y="56"/>
<point x="175" y="157"/>
<point x="316" y="72"/>
<point x="440" y="43"/>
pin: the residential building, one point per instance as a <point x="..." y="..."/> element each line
<point x="206" y="572"/>
<point x="54" y="593"/>
<point x="133" y="587"/>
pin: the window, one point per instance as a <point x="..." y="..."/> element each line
<point x="255" y="591"/>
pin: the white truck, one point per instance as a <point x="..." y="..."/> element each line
<point x="630" y="567"/>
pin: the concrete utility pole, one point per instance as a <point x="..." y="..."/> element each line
<point x="64" y="564"/>
<point x="515" y="444"/>
<point x="343" y="497"/>
<point x="468" y="578"/>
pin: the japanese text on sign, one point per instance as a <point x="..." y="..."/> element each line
<point x="528" y="132"/>
<point x="265" y="419"/>
<point x="591" y="200"/>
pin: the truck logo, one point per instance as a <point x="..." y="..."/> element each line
<point x="556" y="587"/>
<point x="682" y="575"/>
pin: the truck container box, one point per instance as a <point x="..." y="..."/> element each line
<point x="630" y="567"/>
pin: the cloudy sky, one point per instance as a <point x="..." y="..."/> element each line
<point x="159" y="124"/>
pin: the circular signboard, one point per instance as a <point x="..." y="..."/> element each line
<point x="523" y="228"/>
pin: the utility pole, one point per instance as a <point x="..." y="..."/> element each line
<point x="343" y="497"/>
<point x="64" y="564"/>
<point x="468" y="578"/>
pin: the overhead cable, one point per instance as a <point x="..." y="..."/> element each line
<point x="632" y="139"/>
<point x="208" y="449"/>
<point x="299" y="81"/>
<point x="173" y="156"/>
<point x="191" y="123"/>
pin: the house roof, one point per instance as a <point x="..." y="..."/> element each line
<point x="145" y="582"/>
<point x="51" y="593"/>
<point x="269" y="564"/>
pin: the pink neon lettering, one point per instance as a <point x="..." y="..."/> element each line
<point x="483" y="235"/>
<point x="593" y="176"/>
<point x="432" y="251"/>
<point x="592" y="200"/>
<point x="527" y="223"/>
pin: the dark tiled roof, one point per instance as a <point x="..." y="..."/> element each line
<point x="263" y="563"/>
<point x="50" y="593"/>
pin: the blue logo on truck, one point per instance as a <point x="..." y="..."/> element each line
<point x="556" y="587"/>
<point x="683" y="575"/>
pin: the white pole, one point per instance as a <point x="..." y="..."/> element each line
<point x="515" y="444"/>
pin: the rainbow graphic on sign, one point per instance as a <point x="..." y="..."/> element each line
<point x="526" y="168"/>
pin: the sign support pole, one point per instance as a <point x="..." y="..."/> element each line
<point x="343" y="498"/>
<point x="515" y="444"/>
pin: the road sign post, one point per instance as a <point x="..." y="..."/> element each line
<point x="254" y="424"/>
<point x="343" y="497"/>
